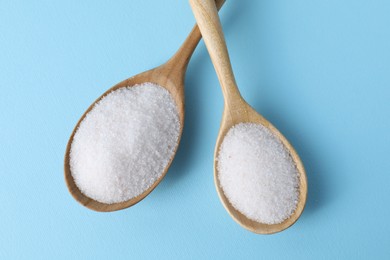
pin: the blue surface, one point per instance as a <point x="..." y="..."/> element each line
<point x="319" y="70"/>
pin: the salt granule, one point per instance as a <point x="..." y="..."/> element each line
<point x="257" y="174"/>
<point x="124" y="143"/>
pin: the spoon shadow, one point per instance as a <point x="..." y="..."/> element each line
<point x="190" y="139"/>
<point x="320" y="192"/>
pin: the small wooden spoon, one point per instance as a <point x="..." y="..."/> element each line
<point x="236" y="110"/>
<point x="170" y="76"/>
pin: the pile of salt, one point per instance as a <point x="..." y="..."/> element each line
<point x="124" y="143"/>
<point x="257" y="174"/>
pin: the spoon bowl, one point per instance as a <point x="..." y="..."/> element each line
<point x="156" y="76"/>
<point x="249" y="115"/>
<point x="237" y="110"/>
<point x="169" y="76"/>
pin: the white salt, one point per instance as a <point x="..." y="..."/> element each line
<point x="124" y="143"/>
<point x="257" y="174"/>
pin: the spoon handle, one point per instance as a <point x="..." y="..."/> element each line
<point x="206" y="15"/>
<point x="183" y="55"/>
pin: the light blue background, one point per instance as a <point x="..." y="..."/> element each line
<point x="319" y="70"/>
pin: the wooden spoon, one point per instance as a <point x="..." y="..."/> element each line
<point x="236" y="110"/>
<point x="170" y="76"/>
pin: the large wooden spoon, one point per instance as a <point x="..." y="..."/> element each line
<point x="236" y="110"/>
<point x="169" y="76"/>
